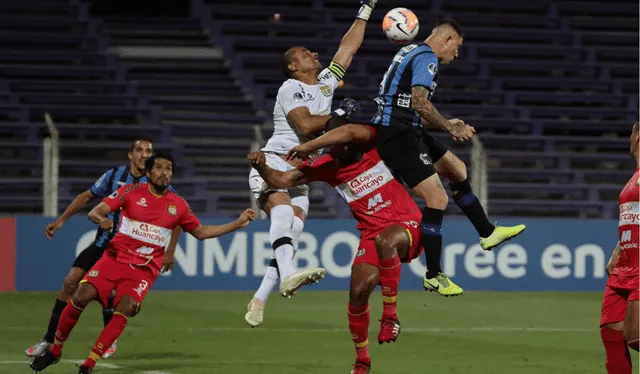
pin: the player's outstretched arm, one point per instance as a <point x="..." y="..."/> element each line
<point x="350" y="133"/>
<point x="80" y="201"/>
<point x="275" y="178"/>
<point x="168" y="260"/>
<point x="211" y="231"/>
<point x="421" y="103"/>
<point x="614" y="259"/>
<point x="352" y="40"/>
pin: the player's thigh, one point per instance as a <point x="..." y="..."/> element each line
<point x="614" y="307"/>
<point x="132" y="289"/>
<point x="102" y="277"/>
<point x="275" y="198"/>
<point x="88" y="257"/>
<point x="404" y="154"/>
<point x="300" y="200"/>
<point x="391" y="241"/>
<point x="432" y="192"/>
<point x="451" y="167"/>
<point x="631" y="323"/>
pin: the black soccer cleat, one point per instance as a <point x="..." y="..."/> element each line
<point x="85" y="370"/>
<point x="44" y="361"/>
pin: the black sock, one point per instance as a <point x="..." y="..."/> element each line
<point x="470" y="205"/>
<point x="107" y="312"/>
<point x="432" y="239"/>
<point x="53" y="320"/>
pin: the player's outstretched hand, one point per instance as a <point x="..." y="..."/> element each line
<point x="247" y="216"/>
<point x="51" y="228"/>
<point x="460" y="131"/>
<point x="300" y="151"/>
<point x="167" y="261"/>
<point x="106" y="224"/>
<point x="257" y="159"/>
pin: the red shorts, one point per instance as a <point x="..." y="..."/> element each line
<point x="108" y="275"/>
<point x="616" y="298"/>
<point x="367" y="248"/>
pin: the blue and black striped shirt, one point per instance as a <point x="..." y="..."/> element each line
<point x="414" y="65"/>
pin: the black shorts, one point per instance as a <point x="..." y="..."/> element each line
<point x="88" y="257"/>
<point x="409" y="153"/>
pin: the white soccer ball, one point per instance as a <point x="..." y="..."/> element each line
<point x="400" y="25"/>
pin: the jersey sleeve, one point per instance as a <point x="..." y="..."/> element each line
<point x="291" y="96"/>
<point x="101" y="187"/>
<point x="117" y="199"/>
<point x="332" y="75"/>
<point x="425" y="68"/>
<point x="188" y="221"/>
<point x="320" y="168"/>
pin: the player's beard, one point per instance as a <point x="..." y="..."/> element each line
<point x="159" y="188"/>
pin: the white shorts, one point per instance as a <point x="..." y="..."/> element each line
<point x="260" y="189"/>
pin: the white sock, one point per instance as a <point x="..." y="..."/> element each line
<point x="298" y="226"/>
<point x="281" y="236"/>
<point x="268" y="283"/>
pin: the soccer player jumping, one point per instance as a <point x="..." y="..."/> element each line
<point x="388" y="220"/>
<point x="302" y="108"/>
<point x="404" y="102"/>
<point x="619" y="323"/>
<point x="109" y="182"/>
<point x="133" y="259"/>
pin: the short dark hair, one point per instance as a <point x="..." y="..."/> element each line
<point x="287" y="59"/>
<point x="141" y="139"/>
<point x="148" y="164"/>
<point x="455" y="25"/>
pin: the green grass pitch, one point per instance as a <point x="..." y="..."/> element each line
<point x="204" y="332"/>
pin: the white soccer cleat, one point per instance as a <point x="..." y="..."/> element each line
<point x="38" y="349"/>
<point x="111" y="351"/>
<point x="292" y="283"/>
<point x="255" y="312"/>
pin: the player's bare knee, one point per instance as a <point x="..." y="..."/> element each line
<point x="128" y="306"/>
<point x="69" y="286"/>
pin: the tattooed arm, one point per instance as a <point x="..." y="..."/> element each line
<point x="421" y="103"/>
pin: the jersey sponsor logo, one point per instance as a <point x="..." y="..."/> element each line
<point x="630" y="213"/>
<point x="93" y="273"/>
<point x="433" y="69"/>
<point x="141" y="287"/>
<point x="298" y="96"/>
<point x="173" y="210"/>
<point x="142" y="202"/>
<point x="326" y="91"/>
<point x="404" y="100"/>
<point x="145" y="232"/>
<point x="360" y="252"/>
<point x="365" y="183"/>
<point x="325" y="76"/>
<point x="113" y="195"/>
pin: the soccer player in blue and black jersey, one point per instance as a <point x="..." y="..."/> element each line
<point x="404" y="106"/>
<point x="141" y="150"/>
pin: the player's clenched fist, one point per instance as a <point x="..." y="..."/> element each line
<point x="246" y="217"/>
<point x="257" y="159"/>
<point x="106" y="224"/>
<point x="51" y="228"/>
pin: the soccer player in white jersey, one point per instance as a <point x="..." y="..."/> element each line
<point x="303" y="107"/>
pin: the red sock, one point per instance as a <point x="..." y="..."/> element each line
<point x="109" y="334"/>
<point x="68" y="319"/>
<point x="359" y="327"/>
<point x="618" y="357"/>
<point x="390" y="271"/>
